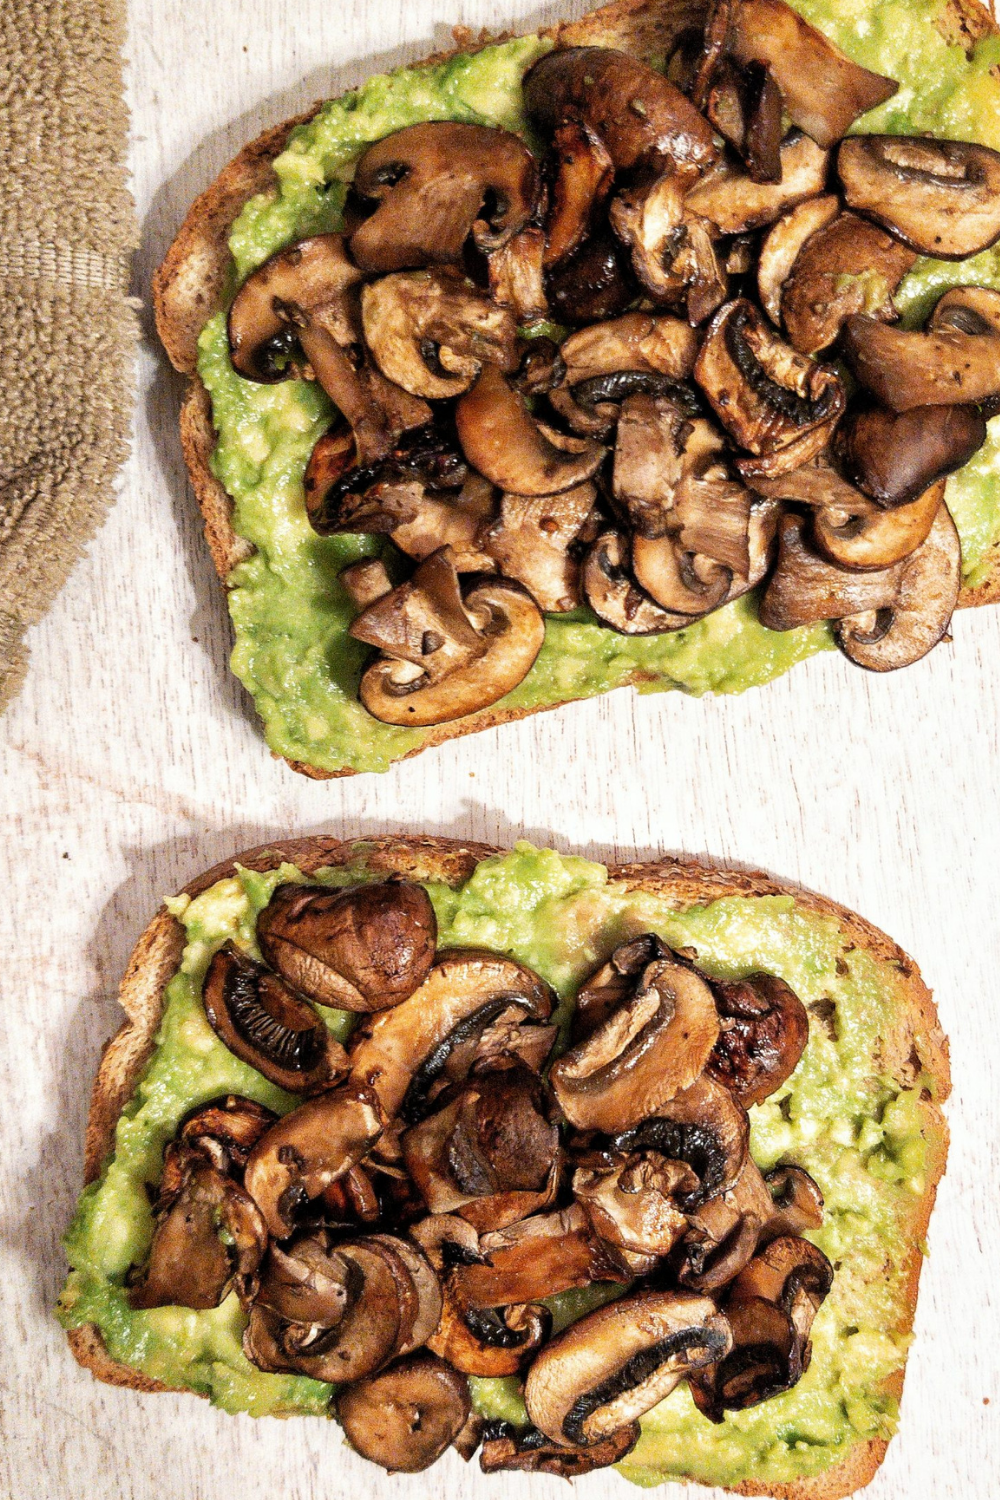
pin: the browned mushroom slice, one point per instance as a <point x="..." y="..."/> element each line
<point x="362" y="949"/>
<point x="613" y="983"/>
<point x="631" y="1199"/>
<point x="823" y="90"/>
<point x="264" y="1024"/>
<point x="419" y="520"/>
<point x="942" y="198"/>
<point x="404" y="1418"/>
<point x="538" y="1257"/>
<point x="782" y="243"/>
<point x="516" y="273"/>
<point x="421" y="1321"/>
<point x="446" y="656"/>
<point x="432" y="331"/>
<point x="791" y="1273"/>
<point x="530" y="1452"/>
<point x="365" y="581"/>
<point x="307" y="1282"/>
<point x="745" y="106"/>
<point x="806" y="587"/>
<point x="771" y="399"/>
<point x="531" y="541"/>
<point x="641" y="119"/>
<point x="730" y="199"/>
<point x="702" y="1126"/>
<point x="764" y="1360"/>
<point x="304" y="1152"/>
<point x="652" y="342"/>
<point x="209" y="1236"/>
<point x="798" y="1202"/>
<point x="848" y="267"/>
<point x="502" y="441"/>
<point x="672" y="251"/>
<point x="620" y="1361"/>
<point x="956" y="358"/>
<point x="764" y="1030"/>
<point x="315" y="274"/>
<point x="583" y="180"/>
<point x="654" y="1045"/>
<point x="226" y="1130"/>
<point x="405" y="1051"/>
<point x="492" y="1341"/>
<point x="616" y="598"/>
<point x="724" y="1232"/>
<point x="435" y="184"/>
<point x="594" y="282"/>
<point x="896" y="456"/>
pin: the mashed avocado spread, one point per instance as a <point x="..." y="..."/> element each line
<point x="855" y="1130"/>
<point x="290" y="613"/>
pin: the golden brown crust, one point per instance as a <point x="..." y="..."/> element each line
<point x="917" y="1043"/>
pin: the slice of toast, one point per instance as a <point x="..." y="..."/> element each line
<point x="913" y="1044"/>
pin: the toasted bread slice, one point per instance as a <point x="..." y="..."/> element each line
<point x="914" y="1044"/>
<point x="189" y="288"/>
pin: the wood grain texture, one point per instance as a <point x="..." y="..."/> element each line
<point x="132" y="761"/>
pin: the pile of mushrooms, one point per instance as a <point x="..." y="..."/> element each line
<point x="405" y="1225"/>
<point x="612" y="374"/>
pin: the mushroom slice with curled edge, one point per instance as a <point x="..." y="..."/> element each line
<point x="307" y="1281"/>
<point x="798" y="1202"/>
<point x="848" y="267"/>
<point x="489" y="1342"/>
<point x="226" y="1130"/>
<point x="730" y="200"/>
<point x="632" y="1200"/>
<point x="538" y="1257"/>
<point x="501" y="439"/>
<point x="764" y="1030"/>
<point x="702" y="1126"/>
<point x="260" y="1020"/>
<point x="584" y="174"/>
<point x="607" y="362"/>
<point x="419" y="1325"/>
<point x="619" y="1362"/>
<point x="418" y="520"/>
<point x="744" y="104"/>
<point x="304" y="1152"/>
<point x="762" y="1362"/>
<point x="338" y="488"/>
<point x="435" y="184"/>
<point x="528" y="1451"/>
<point x="782" y="244"/>
<point x="445" y="656"/>
<point x="613" y="983"/>
<point x="724" y="1232"/>
<point x="650" y="1048"/>
<point x="616" y="598"/>
<point x="822" y="89"/>
<point x="641" y="119"/>
<point x="531" y="542"/>
<point x="362" y="949"/>
<point x="404" y="1052"/>
<point x="405" y="1417"/>
<point x="806" y="587"/>
<point x="772" y="400"/>
<point x="791" y="1274"/>
<point x="956" y="358"/>
<point x="672" y="251"/>
<point x="316" y="275"/>
<point x="209" y="1236"/>
<point x="517" y="278"/>
<point x="896" y="456"/>
<point x="941" y="198"/>
<point x="432" y="331"/>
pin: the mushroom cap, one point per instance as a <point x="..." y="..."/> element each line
<point x="729" y="198"/>
<point x="896" y="456"/>
<point x="620" y="1361"/>
<point x="489" y="1342"/>
<point x="405" y="1417"/>
<point x="703" y="1126"/>
<point x="798" y="1202"/>
<point x="782" y="243"/>
<point x="531" y="541"/>
<point x="955" y="359"/>
<point x="653" y="342"/>
<point x="848" y="266"/>
<point x="764" y="1032"/>
<point x="595" y="281"/>
<point x="503" y="441"/>
<point x="315" y="276"/>
<point x="631" y="1200"/>
<point x="941" y="198"/>
<point x="516" y="275"/>
<point x="806" y="586"/>
<point x="226" y="1130"/>
<point x="436" y="314"/>
<point x="307" y="1282"/>
<point x="616" y="598"/>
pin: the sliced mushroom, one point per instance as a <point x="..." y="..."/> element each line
<point x="724" y="1232"/>
<point x="405" y="1417"/>
<point x="446" y="656"/>
<point x="502" y="440"/>
<point x="531" y="541"/>
<point x="773" y="400"/>
<point x="264" y="1024"/>
<point x="672" y="251"/>
<point x="640" y="118"/>
<point x="613" y="983"/>
<point x="822" y="89"/>
<point x="516" y="272"/>
<point x="594" y="282"/>
<point x="584" y="175"/>
<point x="489" y="1342"/>
<point x="528" y="1451"/>
<point x="729" y="198"/>
<point x="956" y="358"/>
<point x="806" y="587"/>
<point x="656" y="343"/>
<point x="436" y="184"/>
<point x="683" y="582"/>
<point x="745" y="106"/>
<point x="782" y="244"/>
<point x="226" y="1130"/>
<point x="420" y="522"/>
<point x="404" y="1052"/>
<point x="342" y="494"/>
<point x="619" y="1362"/>
<point x="798" y="1202"/>
<point x="431" y="331"/>
<point x="632" y="1200"/>
<point x="315" y="274"/>
<point x="362" y="949"/>
<point x="308" y="1282"/>
<point x="895" y="457"/>
<point x="615" y="597"/>
<point x="649" y="1049"/>
<point x="365" y="581"/>
<point x="764" y="1361"/>
<point x="702" y="1126"/>
<point x="849" y="266"/>
<point x="764" y="1030"/>
<point x="426" y="1314"/>
<point x="538" y="1257"/>
<point x="941" y="198"/>
<point x="304" y="1152"/>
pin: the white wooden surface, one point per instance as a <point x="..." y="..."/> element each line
<point x="132" y="761"/>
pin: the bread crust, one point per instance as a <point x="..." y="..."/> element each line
<point x="190" y="285"/>
<point x="684" y="883"/>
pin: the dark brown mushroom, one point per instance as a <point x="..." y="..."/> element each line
<point x="724" y="1232"/>
<point x="315" y="274"/>
<point x="584" y="174"/>
<point x="436" y="184"/>
<point x="955" y="359"/>
<point x="364" y="948"/>
<point x="593" y="282"/>
<point x="431" y="331"/>
<point x="307" y="1281"/>
<point x="419" y="521"/>
<point x="764" y="1030"/>
<point x="806" y="586"/>
<point x="673" y="255"/>
<point x="226" y="1130"/>
<point x="613" y="983"/>
<point x="528" y="1451"/>
<point x="895" y="457"/>
<point x="538" y="1257"/>
<point x="702" y="1126"/>
<point x="404" y="1418"/>
<point x="534" y="540"/>
<point x="850" y="266"/>
<point x="764" y="1360"/>
<point x="941" y="198"/>
<point x="728" y="197"/>
<point x="503" y="441"/>
<point x="609" y="361"/>
<point x="264" y="1024"/>
<point x="782" y="244"/>
<point x="745" y="106"/>
<point x="614" y="595"/>
<point x="342" y="494"/>
<point x="489" y="1342"/>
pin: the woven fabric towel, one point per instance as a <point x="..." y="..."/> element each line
<point x="67" y="332"/>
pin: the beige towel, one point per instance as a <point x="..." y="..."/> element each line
<point x="66" y="329"/>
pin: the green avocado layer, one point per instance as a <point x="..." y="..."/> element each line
<point x="854" y="1129"/>
<point x="290" y="613"/>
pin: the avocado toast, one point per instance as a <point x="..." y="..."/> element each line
<point x="291" y="611"/>
<point x="860" y="1114"/>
